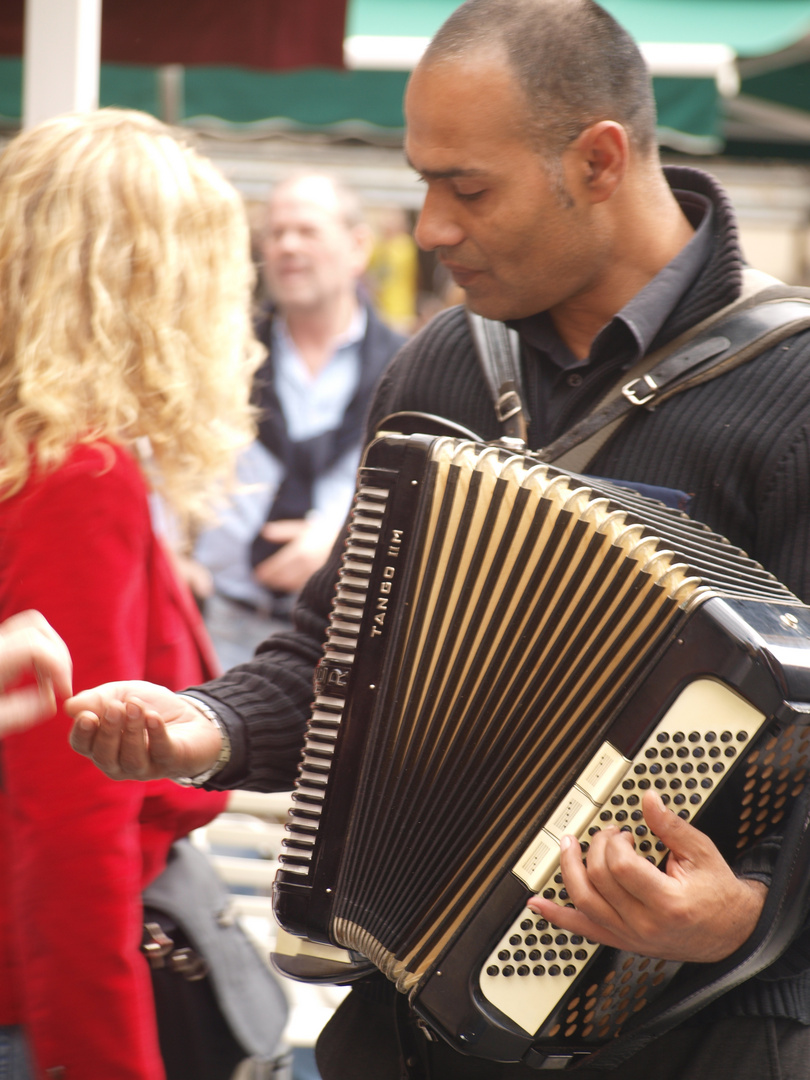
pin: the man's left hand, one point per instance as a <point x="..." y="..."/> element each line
<point x="307" y="544"/>
<point x="695" y="909"/>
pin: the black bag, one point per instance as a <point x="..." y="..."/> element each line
<point x="217" y="1003"/>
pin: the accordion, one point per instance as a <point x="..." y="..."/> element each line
<point x="514" y="653"/>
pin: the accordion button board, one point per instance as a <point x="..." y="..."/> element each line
<point x="531" y="969"/>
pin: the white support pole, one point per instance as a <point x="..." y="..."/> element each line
<point x="61" y="57"/>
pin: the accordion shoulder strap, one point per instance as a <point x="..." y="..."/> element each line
<point x="766" y="313"/>
<point x="498" y="350"/>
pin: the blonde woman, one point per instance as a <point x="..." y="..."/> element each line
<point x="126" y="356"/>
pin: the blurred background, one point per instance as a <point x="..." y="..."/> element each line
<point x="271" y="86"/>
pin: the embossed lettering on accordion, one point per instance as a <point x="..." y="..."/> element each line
<point x="515" y="653"/>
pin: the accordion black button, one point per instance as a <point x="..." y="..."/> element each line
<point x="508" y="970"/>
<point x="550" y="955"/>
<point x="535" y="954"/>
<point x="581" y="954"/>
<point x="504" y="954"/>
<point x="527" y="924"/>
<point x="530" y="939"/>
<point x="554" y="970"/>
<point x="523" y="969"/>
<point x="539" y="970"/>
<point x="493" y="970"/>
<point x="519" y="954"/>
<point x="570" y="970"/>
<point x="515" y="939"/>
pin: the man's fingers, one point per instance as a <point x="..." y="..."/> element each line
<point x="133" y="755"/>
<point x="685" y="841"/>
<point x="83" y="733"/>
<point x="281" y="532"/>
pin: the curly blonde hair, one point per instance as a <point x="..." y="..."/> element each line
<point x="125" y="284"/>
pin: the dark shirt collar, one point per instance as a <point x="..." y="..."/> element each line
<point x="631" y="331"/>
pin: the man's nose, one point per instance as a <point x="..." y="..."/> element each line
<point x="437" y="226"/>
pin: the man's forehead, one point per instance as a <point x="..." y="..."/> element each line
<point x="314" y="195"/>
<point x="463" y="103"/>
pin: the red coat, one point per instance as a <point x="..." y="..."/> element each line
<point x="76" y="848"/>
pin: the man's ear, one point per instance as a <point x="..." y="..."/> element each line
<point x="602" y="153"/>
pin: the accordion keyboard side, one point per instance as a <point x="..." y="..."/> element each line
<point x="332" y="678"/>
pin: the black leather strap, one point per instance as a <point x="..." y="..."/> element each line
<point x="759" y="319"/>
<point x="734" y="340"/>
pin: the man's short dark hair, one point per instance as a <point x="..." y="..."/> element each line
<point x="575" y="64"/>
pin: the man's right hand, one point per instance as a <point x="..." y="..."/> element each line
<point x="140" y="731"/>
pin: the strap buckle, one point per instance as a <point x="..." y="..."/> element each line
<point x="508" y="405"/>
<point x="158" y="946"/>
<point x="638" y="386"/>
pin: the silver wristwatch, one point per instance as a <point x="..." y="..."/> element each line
<point x="225" y="750"/>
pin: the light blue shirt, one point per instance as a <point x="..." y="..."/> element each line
<point x="311" y="406"/>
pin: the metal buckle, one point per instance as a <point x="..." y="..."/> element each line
<point x="508" y="405"/>
<point x="159" y="947"/>
<point x="189" y="964"/>
<point x="629" y="390"/>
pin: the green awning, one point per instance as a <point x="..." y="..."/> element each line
<point x="689" y="44"/>
<point x="750" y="27"/>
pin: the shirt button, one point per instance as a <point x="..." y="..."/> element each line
<point x="574" y="379"/>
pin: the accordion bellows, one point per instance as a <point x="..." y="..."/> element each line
<point x="514" y="653"/>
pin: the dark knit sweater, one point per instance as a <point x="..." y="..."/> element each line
<point x="739" y="444"/>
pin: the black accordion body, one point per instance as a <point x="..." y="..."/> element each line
<point x="515" y="653"/>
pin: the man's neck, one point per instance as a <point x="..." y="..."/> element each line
<point x="314" y="331"/>
<point x="650" y="237"/>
